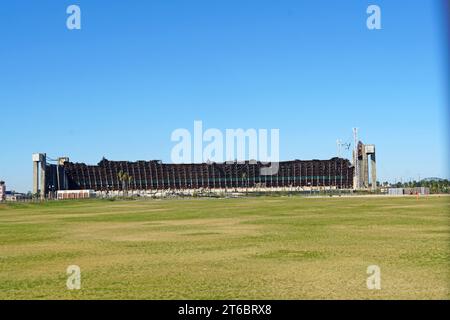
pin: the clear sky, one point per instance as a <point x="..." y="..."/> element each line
<point x="137" y="70"/>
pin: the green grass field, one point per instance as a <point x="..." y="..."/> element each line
<point x="255" y="248"/>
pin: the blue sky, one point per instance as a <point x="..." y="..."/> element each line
<point x="137" y="70"/>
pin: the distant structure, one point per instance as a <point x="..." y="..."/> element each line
<point x="48" y="177"/>
<point x="408" y="191"/>
<point x="149" y="177"/>
<point x="2" y="191"/>
<point x="39" y="174"/>
<point x="361" y="155"/>
<point x="154" y="175"/>
<point x="13" y="196"/>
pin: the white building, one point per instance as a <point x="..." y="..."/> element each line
<point x="75" y="194"/>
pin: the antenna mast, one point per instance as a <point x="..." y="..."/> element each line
<point x="355" y="159"/>
<point x="338" y="147"/>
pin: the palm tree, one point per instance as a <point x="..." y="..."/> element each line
<point x="244" y="176"/>
<point x="130" y="178"/>
<point x="125" y="179"/>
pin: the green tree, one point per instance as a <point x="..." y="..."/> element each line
<point x="125" y="180"/>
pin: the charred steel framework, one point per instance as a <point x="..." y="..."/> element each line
<point x="155" y="175"/>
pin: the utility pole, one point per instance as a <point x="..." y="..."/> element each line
<point x="356" y="184"/>
<point x="338" y="147"/>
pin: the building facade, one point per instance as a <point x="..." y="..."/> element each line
<point x="156" y="175"/>
<point x="335" y="173"/>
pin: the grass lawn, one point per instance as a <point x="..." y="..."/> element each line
<point x="255" y="248"/>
